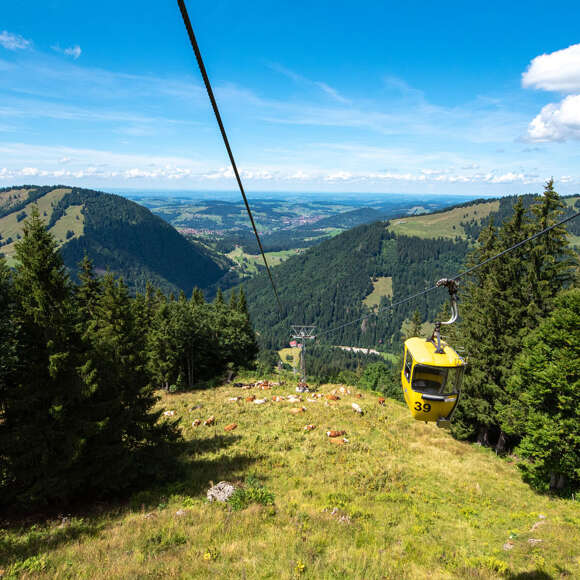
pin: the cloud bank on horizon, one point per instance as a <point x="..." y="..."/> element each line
<point x="87" y="116"/>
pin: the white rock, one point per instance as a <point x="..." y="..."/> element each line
<point x="221" y="492"/>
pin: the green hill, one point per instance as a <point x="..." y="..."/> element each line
<point x="466" y="220"/>
<point x="400" y="500"/>
<point x="348" y="276"/>
<point x="117" y="234"/>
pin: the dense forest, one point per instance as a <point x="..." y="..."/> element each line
<point x="326" y="286"/>
<point x="126" y="239"/>
<point x="520" y="327"/>
<point x="78" y="368"/>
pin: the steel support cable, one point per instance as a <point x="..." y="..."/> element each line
<point x="210" y="94"/>
<point x="456" y="277"/>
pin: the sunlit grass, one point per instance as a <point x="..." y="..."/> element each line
<point x="401" y="499"/>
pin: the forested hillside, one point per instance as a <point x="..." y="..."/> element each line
<point x="79" y="365"/>
<point x="116" y="234"/>
<point x="327" y="285"/>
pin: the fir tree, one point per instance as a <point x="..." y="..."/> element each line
<point x="544" y="389"/>
<point x="43" y="410"/>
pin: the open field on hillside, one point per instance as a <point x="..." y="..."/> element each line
<point x="442" y="225"/>
<point x="382" y="287"/>
<point x="400" y="499"/>
<point x="248" y="263"/>
<point x="12" y="228"/>
<point x="293" y="352"/>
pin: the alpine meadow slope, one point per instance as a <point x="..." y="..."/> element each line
<point x="400" y="499"/>
<point x="116" y="234"/>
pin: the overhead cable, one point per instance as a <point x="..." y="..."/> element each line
<point x="210" y="94"/>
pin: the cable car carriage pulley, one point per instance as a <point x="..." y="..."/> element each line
<point x="432" y="371"/>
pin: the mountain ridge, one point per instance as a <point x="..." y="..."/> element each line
<point x="118" y="235"/>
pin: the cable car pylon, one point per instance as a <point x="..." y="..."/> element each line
<point x="303" y="333"/>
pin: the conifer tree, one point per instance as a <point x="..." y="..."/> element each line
<point x="501" y="305"/>
<point x="128" y="441"/>
<point x="416" y="325"/>
<point x="545" y="389"/>
<point x="43" y="411"/>
<point x="10" y="353"/>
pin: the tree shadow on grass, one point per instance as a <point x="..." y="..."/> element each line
<point x="33" y="534"/>
<point x="202" y="472"/>
<point x="532" y="575"/>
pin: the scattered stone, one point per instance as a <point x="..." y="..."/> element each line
<point x="541" y="517"/>
<point x="221" y="492"/>
<point x="537" y="525"/>
<point x="180" y="513"/>
<point x="169" y="413"/>
<point x="150" y="515"/>
<point x="508" y="545"/>
<point x="342" y="517"/>
<point x="230" y="427"/>
<point x="209" y="421"/>
<point x="534" y="541"/>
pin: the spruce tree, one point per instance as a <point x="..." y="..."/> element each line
<point x="43" y="411"/>
<point x="502" y="303"/>
<point x="545" y="389"/>
<point x="129" y="441"/>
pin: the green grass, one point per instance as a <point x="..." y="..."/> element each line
<point x="401" y="499"/>
<point x="382" y="287"/>
<point x="73" y="220"/>
<point x="10" y="227"/>
<point x="248" y="263"/>
<point x="442" y="224"/>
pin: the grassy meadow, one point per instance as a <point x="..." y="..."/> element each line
<point x="383" y="286"/>
<point x="445" y="224"/>
<point x="73" y="220"/>
<point x="400" y="499"/>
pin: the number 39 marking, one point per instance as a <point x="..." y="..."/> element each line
<point x="425" y="407"/>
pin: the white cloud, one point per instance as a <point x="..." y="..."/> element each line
<point x="74" y="51"/>
<point x="557" y="121"/>
<point x="557" y="71"/>
<point x="14" y="41"/>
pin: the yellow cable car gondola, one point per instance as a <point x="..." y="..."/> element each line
<point x="432" y="372"/>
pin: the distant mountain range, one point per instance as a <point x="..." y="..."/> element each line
<point x="117" y="234"/>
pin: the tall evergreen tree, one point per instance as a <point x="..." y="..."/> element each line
<point x="43" y="409"/>
<point x="129" y="440"/>
<point x="544" y="389"/>
<point x="501" y="304"/>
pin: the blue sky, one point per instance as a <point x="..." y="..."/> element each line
<point x="421" y="97"/>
